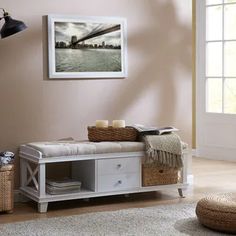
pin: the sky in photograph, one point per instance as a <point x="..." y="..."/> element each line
<point x="64" y="31"/>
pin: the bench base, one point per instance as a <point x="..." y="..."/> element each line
<point x="96" y="172"/>
<point x="43" y="202"/>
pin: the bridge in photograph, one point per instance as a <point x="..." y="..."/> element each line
<point x="98" y="33"/>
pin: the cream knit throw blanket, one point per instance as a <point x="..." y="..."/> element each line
<point x="164" y="150"/>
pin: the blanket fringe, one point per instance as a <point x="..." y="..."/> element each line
<point x="164" y="158"/>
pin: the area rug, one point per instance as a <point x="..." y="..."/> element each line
<point x="167" y="220"/>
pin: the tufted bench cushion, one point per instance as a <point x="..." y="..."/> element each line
<point x="218" y="212"/>
<point x="69" y="148"/>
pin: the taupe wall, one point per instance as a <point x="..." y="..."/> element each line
<point x="157" y="90"/>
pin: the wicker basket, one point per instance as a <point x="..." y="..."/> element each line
<point x="155" y="175"/>
<point x="6" y="188"/>
<point x="111" y="134"/>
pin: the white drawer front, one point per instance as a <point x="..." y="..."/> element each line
<point x="107" y="183"/>
<point x="118" y="166"/>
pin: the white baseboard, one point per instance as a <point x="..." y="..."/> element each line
<point x="217" y="153"/>
<point x="194" y="152"/>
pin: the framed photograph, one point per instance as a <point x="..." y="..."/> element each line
<point x="87" y="47"/>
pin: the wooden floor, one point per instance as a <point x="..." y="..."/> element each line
<point x="209" y="177"/>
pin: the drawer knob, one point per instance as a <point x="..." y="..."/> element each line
<point x="119" y="166"/>
<point x="119" y="182"/>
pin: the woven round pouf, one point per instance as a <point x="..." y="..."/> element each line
<point x="218" y="212"/>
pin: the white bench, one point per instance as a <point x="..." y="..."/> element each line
<point x="105" y="168"/>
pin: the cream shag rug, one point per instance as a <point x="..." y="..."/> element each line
<point x="167" y="220"/>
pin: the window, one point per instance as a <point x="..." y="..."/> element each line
<point x="220" y="48"/>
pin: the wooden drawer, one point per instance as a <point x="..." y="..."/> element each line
<point x="118" y="182"/>
<point x="118" y="166"/>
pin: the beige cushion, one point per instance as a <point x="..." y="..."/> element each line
<point x="68" y="148"/>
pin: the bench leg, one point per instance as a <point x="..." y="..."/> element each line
<point x="180" y="191"/>
<point x="42" y="179"/>
<point x="42" y="207"/>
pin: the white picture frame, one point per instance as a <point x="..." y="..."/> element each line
<point x="102" y="53"/>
